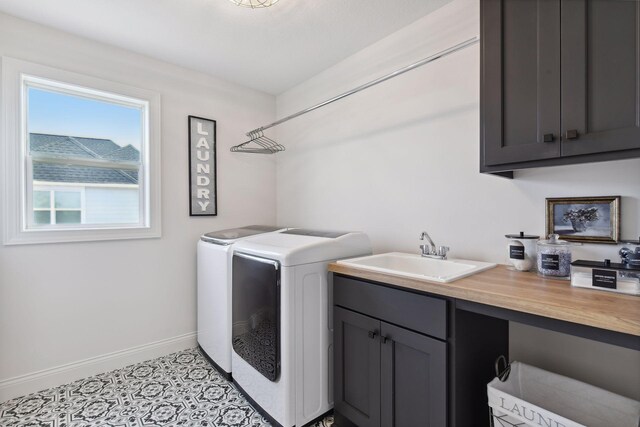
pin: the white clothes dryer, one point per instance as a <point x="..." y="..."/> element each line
<point x="214" y="292"/>
<point x="282" y="320"/>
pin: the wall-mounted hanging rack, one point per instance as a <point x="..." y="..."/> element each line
<point x="260" y="144"/>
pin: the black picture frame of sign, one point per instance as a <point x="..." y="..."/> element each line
<point x="203" y="192"/>
<point x="584" y="219"/>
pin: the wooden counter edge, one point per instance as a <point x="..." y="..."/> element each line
<point x="527" y="293"/>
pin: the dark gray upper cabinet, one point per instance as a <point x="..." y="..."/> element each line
<point x="521" y="80"/>
<point x="600" y="76"/>
<point x="560" y="82"/>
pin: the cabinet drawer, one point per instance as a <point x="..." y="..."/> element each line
<point x="420" y="313"/>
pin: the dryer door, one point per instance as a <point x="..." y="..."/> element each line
<point x="256" y="312"/>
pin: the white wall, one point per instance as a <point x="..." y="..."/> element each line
<point x="63" y="303"/>
<point x="403" y="157"/>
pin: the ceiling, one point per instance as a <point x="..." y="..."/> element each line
<point x="269" y="49"/>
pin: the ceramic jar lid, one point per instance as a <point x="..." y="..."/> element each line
<point x="521" y="235"/>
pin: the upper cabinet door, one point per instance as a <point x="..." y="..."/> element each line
<point x="600" y="76"/>
<point x="520" y="89"/>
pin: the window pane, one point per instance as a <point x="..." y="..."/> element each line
<point x="42" y="217"/>
<point x="111" y="196"/>
<point x="68" y="217"/>
<point x="106" y="205"/>
<point x="87" y="131"/>
<point x="42" y="199"/>
<point x="67" y="199"/>
<point x="78" y="126"/>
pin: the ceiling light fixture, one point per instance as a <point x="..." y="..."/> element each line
<point x="254" y="4"/>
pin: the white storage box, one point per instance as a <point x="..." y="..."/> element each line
<point x="534" y="397"/>
<point x="606" y="276"/>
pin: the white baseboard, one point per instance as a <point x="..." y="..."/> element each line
<point x="63" y="374"/>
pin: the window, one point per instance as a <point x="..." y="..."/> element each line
<point x="95" y="143"/>
<point x="81" y="157"/>
<point x="53" y="207"/>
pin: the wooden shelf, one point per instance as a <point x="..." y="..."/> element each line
<point x="526" y="293"/>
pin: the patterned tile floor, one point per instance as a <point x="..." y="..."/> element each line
<point x="181" y="389"/>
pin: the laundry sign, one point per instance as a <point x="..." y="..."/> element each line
<point x="202" y="167"/>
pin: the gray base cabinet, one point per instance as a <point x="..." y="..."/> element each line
<point x="414" y="378"/>
<point x="560" y="82"/>
<point x="387" y="375"/>
<point x="357" y="367"/>
<point x="407" y="359"/>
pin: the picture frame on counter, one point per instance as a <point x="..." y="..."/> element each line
<point x="203" y="200"/>
<point x="584" y="219"/>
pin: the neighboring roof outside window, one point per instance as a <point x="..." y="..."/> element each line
<point x="93" y="148"/>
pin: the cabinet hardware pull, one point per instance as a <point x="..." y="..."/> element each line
<point x="372" y="334"/>
<point x="571" y="134"/>
<point x="548" y="137"/>
<point x="384" y="339"/>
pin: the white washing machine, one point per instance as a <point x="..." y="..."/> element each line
<point x="214" y="292"/>
<point x="282" y="321"/>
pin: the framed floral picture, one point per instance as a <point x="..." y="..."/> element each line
<point x="585" y="219"/>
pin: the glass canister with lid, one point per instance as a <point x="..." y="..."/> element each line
<point x="554" y="257"/>
<point x="521" y="251"/>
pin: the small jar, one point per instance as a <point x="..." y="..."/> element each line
<point x="521" y="251"/>
<point x="554" y="257"/>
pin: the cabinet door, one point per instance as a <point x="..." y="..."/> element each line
<point x="414" y="379"/>
<point x="600" y="76"/>
<point x="520" y="80"/>
<point x="357" y="367"/>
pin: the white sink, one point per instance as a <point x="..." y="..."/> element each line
<point x="418" y="267"/>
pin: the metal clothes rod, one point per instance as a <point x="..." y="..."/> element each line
<point x="257" y="135"/>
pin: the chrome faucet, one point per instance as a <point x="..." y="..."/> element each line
<point x="430" y="250"/>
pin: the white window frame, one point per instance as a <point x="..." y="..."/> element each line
<point x="17" y="190"/>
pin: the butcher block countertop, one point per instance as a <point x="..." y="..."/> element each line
<point x="527" y="293"/>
